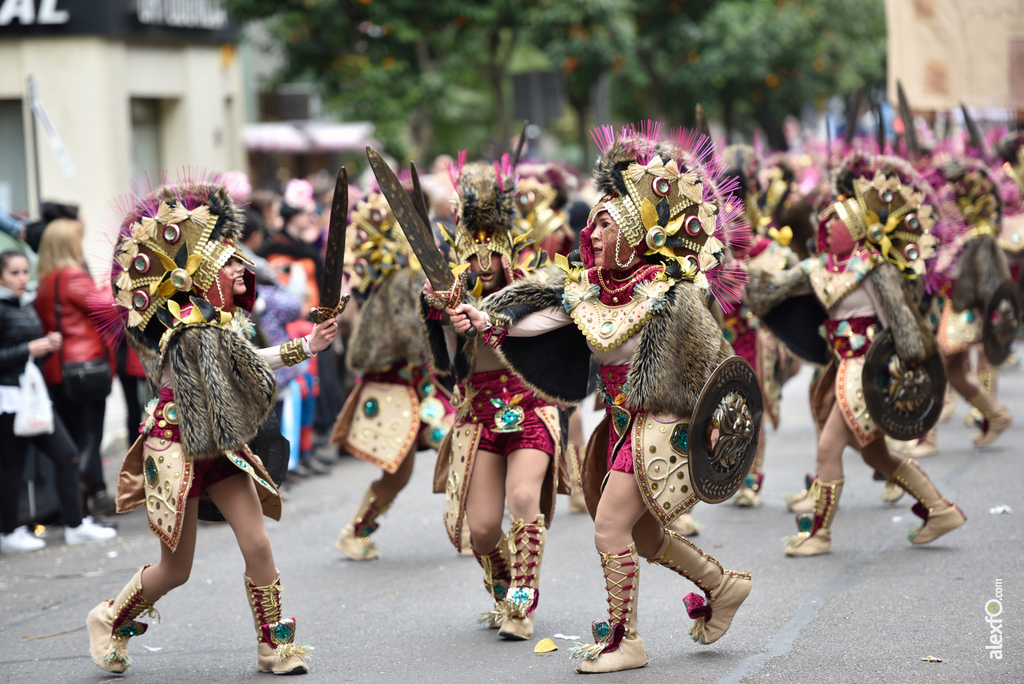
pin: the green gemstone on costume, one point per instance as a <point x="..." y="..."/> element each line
<point x="621" y="421"/>
<point x="171" y="412"/>
<point x="607" y="327"/>
<point x="437" y="434"/>
<point x="804" y="522"/>
<point x="130" y="629"/>
<point x="427" y="389"/>
<point x="151" y="471"/>
<point x="283" y="633"/>
<point x="602" y="630"/>
<point x="509" y="417"/>
<point x="371" y="407"/>
<point x="681" y="439"/>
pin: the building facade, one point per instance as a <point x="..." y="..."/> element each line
<point x="121" y="88"/>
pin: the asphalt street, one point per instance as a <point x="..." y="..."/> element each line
<point x="869" y="612"/>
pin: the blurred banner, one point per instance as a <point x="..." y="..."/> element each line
<point x="951" y="51"/>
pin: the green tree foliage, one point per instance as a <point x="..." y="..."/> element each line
<point x="434" y="76"/>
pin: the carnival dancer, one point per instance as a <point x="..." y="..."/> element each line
<point x="181" y="287"/>
<point x="981" y="271"/>
<point x="873" y="238"/>
<point x="506" y="441"/>
<point x="633" y="299"/>
<point x="396" y="406"/>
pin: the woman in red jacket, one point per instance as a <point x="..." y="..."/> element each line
<point x="63" y="280"/>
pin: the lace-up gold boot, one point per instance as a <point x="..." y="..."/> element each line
<point x="724" y="590"/>
<point x="526" y="551"/>
<point x="815" y="529"/>
<point x="497" y="578"/>
<point x="940" y="515"/>
<point x="113" y="622"/>
<point x="354" y="540"/>
<point x="617" y="645"/>
<point x="276" y="650"/>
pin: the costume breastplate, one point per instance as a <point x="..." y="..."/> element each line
<point x="831" y="285"/>
<point x="607" y="327"/>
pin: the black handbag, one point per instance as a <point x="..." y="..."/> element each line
<point x="82" y="380"/>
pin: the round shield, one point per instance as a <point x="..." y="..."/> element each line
<point x="730" y="404"/>
<point x="903" y="397"/>
<point x="1002" y="318"/>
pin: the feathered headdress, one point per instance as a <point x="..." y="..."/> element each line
<point x="541" y="193"/>
<point x="170" y="245"/>
<point x="380" y="247"/>
<point x="670" y="197"/>
<point x="485" y="213"/>
<point x="893" y="210"/>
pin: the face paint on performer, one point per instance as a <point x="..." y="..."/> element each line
<point x="493" y="278"/>
<point x="604" y="241"/>
<point x="840" y="242"/>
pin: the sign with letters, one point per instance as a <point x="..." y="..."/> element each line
<point x="188" y="21"/>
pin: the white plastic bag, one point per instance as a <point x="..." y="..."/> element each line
<point x="35" y="415"/>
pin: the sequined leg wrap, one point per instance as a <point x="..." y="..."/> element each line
<point x="497" y="578"/>
<point x="526" y="549"/>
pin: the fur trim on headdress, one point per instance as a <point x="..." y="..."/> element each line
<point x="891" y="208"/>
<point x="671" y="199"/>
<point x="169" y="243"/>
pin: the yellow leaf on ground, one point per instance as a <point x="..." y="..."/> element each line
<point x="545" y="646"/>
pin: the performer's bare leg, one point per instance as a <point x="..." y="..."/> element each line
<point x="390" y="484"/>
<point x="835" y="436"/>
<point x="485" y="501"/>
<point x="956" y="373"/>
<point x="523" y="481"/>
<point x="237" y="499"/>
<point x="174" y="568"/>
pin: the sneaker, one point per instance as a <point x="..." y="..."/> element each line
<point x="20" y="541"/>
<point x="87" y="532"/>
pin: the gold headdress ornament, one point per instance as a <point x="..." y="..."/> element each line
<point x="889" y="208"/>
<point x="172" y="240"/>
<point x="1011" y="149"/>
<point x="977" y="195"/>
<point x="540" y="195"/>
<point x="485" y="212"/>
<point x="669" y="196"/>
<point x="380" y="246"/>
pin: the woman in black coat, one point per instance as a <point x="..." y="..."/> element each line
<point x="21" y="339"/>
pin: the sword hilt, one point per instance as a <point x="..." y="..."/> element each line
<point x="319" y="314"/>
<point x="446" y="299"/>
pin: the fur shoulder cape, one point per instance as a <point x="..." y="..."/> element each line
<point x="913" y="339"/>
<point x="982" y="268"/>
<point x="677" y="349"/>
<point x="223" y="388"/>
<point x="389" y="328"/>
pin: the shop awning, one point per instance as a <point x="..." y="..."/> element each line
<point x="308" y="137"/>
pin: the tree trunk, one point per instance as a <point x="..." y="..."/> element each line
<point x="582" y="107"/>
<point x="727" y="115"/>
